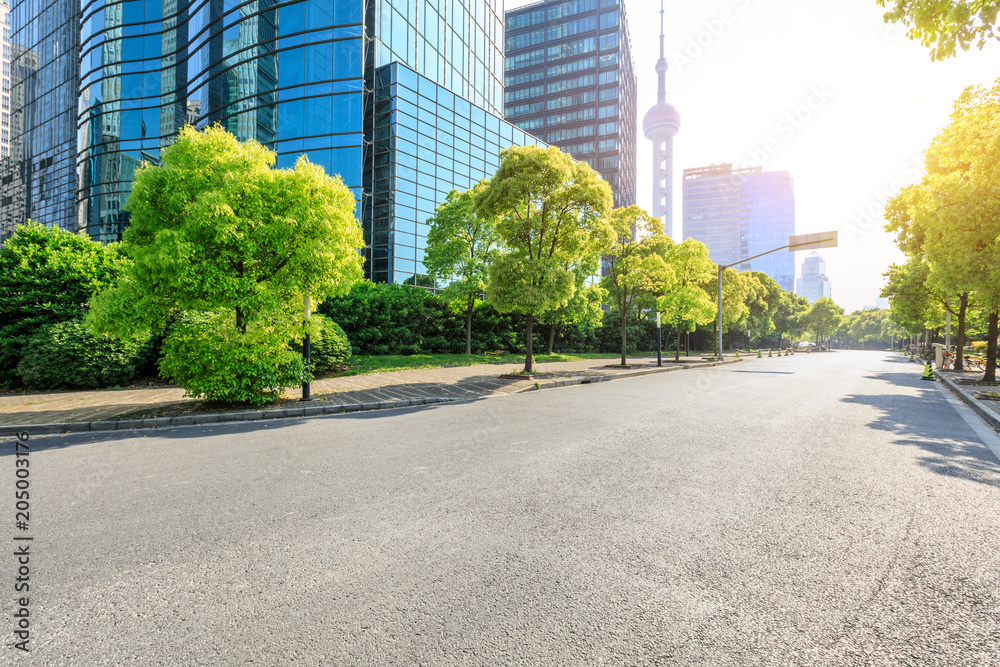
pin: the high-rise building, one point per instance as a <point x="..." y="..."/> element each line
<point x="570" y="81"/>
<point x="660" y="126"/>
<point x="813" y="284"/>
<point x="5" y="51"/>
<point x="739" y="213"/>
<point x="38" y="181"/>
<point x="402" y="101"/>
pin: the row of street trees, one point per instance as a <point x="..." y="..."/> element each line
<point x="530" y="240"/>
<point x="947" y="224"/>
<point x="225" y="255"/>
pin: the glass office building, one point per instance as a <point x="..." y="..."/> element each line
<point x="288" y="76"/>
<point x="738" y="213"/>
<point x="38" y="180"/>
<point x="570" y="81"/>
<point x="768" y="213"/>
<point x="399" y="98"/>
<point x="427" y="141"/>
<point x="5" y="53"/>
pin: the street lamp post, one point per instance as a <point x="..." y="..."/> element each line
<point x="306" y="352"/>
<point x="801" y="242"/>
<point x="659" y="342"/>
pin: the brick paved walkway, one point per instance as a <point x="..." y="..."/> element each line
<point x="456" y="383"/>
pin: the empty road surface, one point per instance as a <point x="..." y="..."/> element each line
<point x="823" y="509"/>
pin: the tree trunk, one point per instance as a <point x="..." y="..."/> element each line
<point x="960" y="338"/>
<point x="623" y="337"/>
<point x="528" y="341"/>
<point x="552" y="336"/>
<point x="240" y="323"/>
<point x="468" y="324"/>
<point x="991" y="350"/>
<point x="677" y="357"/>
<point x="715" y="338"/>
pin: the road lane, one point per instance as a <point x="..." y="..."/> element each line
<point x="826" y="509"/>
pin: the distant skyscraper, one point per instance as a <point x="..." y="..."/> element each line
<point x="569" y="81"/>
<point x="739" y="213"/>
<point x="39" y="179"/>
<point x="4" y="81"/>
<point x="813" y="284"/>
<point x="660" y="126"/>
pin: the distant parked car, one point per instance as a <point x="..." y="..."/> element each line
<point x="804" y="345"/>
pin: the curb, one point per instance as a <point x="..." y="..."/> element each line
<point x="974" y="403"/>
<point x="230" y="417"/>
<point x="594" y="379"/>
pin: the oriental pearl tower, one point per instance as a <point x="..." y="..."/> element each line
<point x="660" y="125"/>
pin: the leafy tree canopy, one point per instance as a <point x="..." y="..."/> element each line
<point x="230" y="247"/>
<point x="551" y="216"/>
<point x="636" y="262"/>
<point x="461" y="245"/>
<point x="215" y="226"/>
<point x="946" y="25"/>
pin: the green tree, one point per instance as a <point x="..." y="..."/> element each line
<point x="582" y="309"/>
<point x="685" y="304"/>
<point x="634" y="266"/>
<point x="763" y="301"/>
<point x="461" y="245"/>
<point x="788" y="315"/>
<point x="823" y="318"/>
<point x="945" y="25"/>
<point x="949" y="219"/>
<point x="230" y="248"/>
<point x="47" y="275"/>
<point x="735" y="297"/>
<point x="551" y="216"/>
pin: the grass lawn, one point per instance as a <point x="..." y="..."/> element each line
<point x="383" y="363"/>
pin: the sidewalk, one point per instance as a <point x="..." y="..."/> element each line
<point x="113" y="408"/>
<point x="963" y="384"/>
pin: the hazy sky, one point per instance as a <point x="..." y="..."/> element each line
<point x="824" y="90"/>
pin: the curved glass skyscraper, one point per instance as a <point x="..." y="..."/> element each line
<point x="299" y="77"/>
<point x="289" y="75"/>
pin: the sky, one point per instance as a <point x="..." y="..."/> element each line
<point x="824" y="90"/>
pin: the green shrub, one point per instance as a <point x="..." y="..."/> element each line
<point x="210" y="357"/>
<point x="329" y="347"/>
<point x="67" y="355"/>
<point x="47" y="275"/>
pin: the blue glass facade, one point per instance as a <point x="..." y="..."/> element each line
<point x="38" y="180"/>
<point x="401" y="98"/>
<point x="427" y="141"/>
<point x="768" y="202"/>
<point x="289" y="75"/>
<point x="738" y="213"/>
<point x="457" y="44"/>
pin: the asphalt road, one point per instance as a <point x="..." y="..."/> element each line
<point x="816" y="509"/>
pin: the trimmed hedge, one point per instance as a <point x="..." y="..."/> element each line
<point x="66" y="355"/>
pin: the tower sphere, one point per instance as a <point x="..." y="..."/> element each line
<point x="662" y="119"/>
